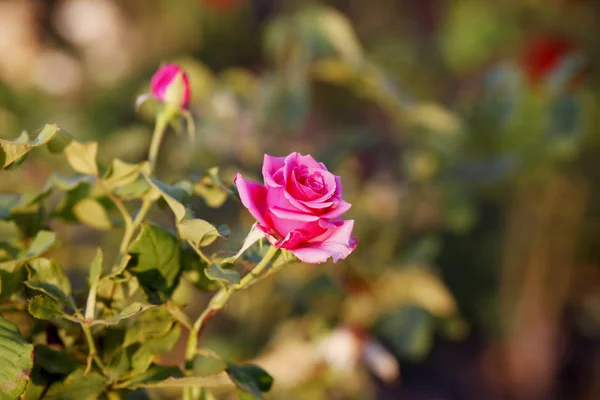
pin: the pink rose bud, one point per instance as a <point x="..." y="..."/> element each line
<point x="170" y="85"/>
<point x="299" y="208"/>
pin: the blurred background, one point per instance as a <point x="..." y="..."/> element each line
<point x="466" y="136"/>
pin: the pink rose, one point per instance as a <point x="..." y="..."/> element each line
<point x="170" y="84"/>
<point x="300" y="208"/>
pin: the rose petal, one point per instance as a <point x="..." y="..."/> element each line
<point x="284" y="226"/>
<point x="336" y="243"/>
<point x="308" y="160"/>
<point x="279" y="197"/>
<point x="337" y="210"/>
<point x="295" y="160"/>
<point x="253" y="196"/>
<point x="270" y="166"/>
<point x="303" y="192"/>
<point x="296" y="216"/>
<point x="292" y="240"/>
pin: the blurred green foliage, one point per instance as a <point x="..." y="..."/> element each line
<point x="473" y="180"/>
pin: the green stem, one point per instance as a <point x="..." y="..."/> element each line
<point x="92" y="346"/>
<point x="217" y="303"/>
<point x="162" y="121"/>
<point x="134" y="225"/>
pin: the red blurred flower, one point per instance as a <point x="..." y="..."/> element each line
<point x="542" y="55"/>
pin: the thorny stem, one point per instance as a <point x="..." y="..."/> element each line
<point x="217" y="303"/>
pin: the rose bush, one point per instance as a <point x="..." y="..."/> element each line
<point x="300" y="208"/>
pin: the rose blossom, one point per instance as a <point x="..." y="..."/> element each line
<point x="299" y="208"/>
<point x="170" y="84"/>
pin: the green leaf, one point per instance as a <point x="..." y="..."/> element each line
<point x="91" y="213"/>
<point x="173" y="195"/>
<point x="36" y="385"/>
<point x="155" y="262"/>
<point x="338" y="31"/>
<point x="198" y="232"/>
<point x="154" y="348"/>
<point x="195" y="270"/>
<point x="40" y="244"/>
<point x="43" y="307"/>
<point x="16" y="360"/>
<point x="11" y="276"/>
<point x="157" y="321"/>
<point x="67" y="183"/>
<point x="206" y="365"/>
<point x="253" y="236"/>
<point x="48" y="277"/>
<point x="12" y="152"/>
<point x="127" y="312"/>
<point x="119" y="364"/>
<point x="211" y="189"/>
<point x="156" y="373"/>
<point x="82" y="157"/>
<point x="78" y="386"/>
<point x="81" y="189"/>
<point x="457" y="43"/>
<point x="206" y="382"/>
<point x="134" y="190"/>
<point x="121" y="173"/>
<point x="96" y="269"/>
<point x="216" y="272"/>
<point x="54" y="361"/>
<point x="408" y="331"/>
<point x="7" y="203"/>
<point x="251" y="379"/>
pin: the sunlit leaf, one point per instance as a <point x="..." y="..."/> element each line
<point x="82" y="157"/>
<point x="211" y="189"/>
<point x="203" y="365"/>
<point x="198" y="232"/>
<point x="91" y="213"/>
<point x="121" y="173"/>
<point x="12" y="152"/>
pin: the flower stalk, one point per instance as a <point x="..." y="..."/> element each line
<point x="216" y="304"/>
